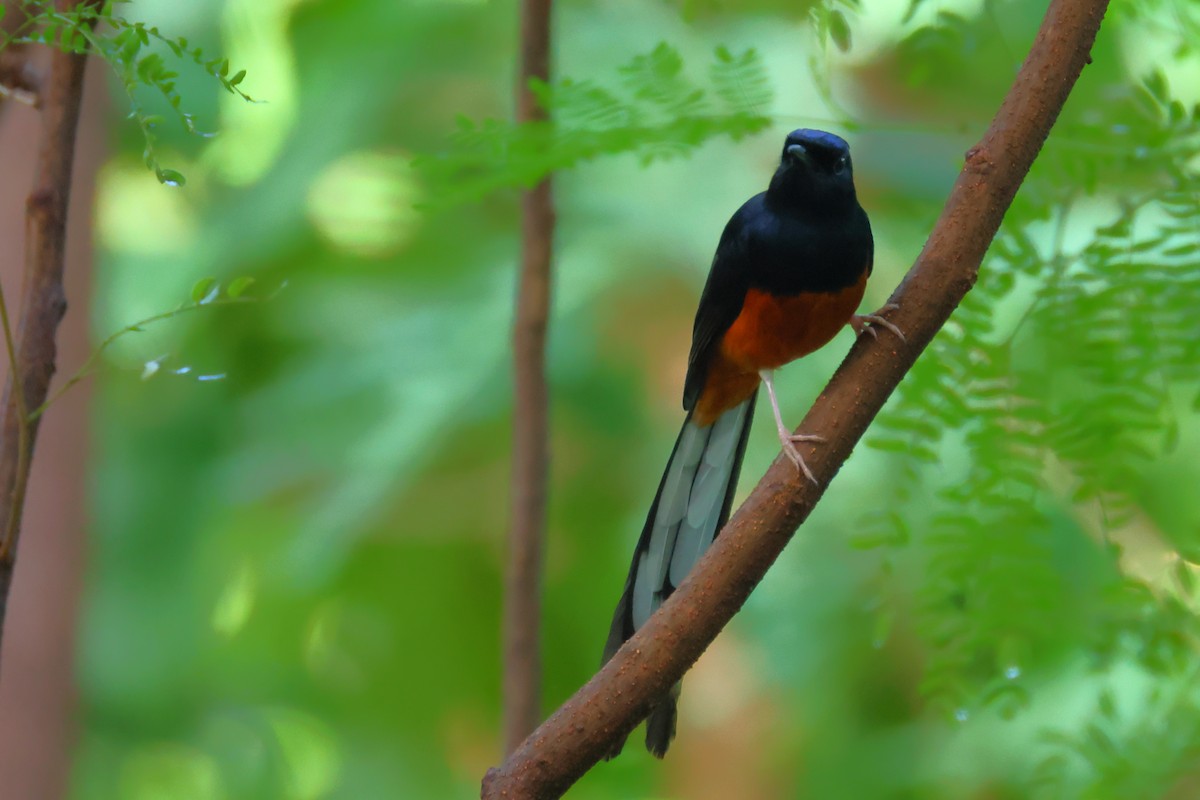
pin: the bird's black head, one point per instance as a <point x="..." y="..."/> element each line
<point x="814" y="172"/>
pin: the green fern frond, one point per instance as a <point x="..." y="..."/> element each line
<point x="740" y="81"/>
<point x="1058" y="414"/>
<point x="656" y="112"/>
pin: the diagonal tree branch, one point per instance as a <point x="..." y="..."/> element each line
<point x="523" y="581"/>
<point x="577" y="735"/>
<point x="31" y="348"/>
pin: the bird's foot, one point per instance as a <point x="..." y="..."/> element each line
<point x="789" y="450"/>
<point x="789" y="441"/>
<point x="786" y="437"/>
<point x="861" y="323"/>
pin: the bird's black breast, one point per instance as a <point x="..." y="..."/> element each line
<point x="789" y="253"/>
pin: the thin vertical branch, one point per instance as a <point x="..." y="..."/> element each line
<point x="522" y="609"/>
<point x="31" y="350"/>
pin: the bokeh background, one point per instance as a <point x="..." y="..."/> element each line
<point x="296" y="505"/>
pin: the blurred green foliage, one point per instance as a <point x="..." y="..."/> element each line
<point x="295" y="570"/>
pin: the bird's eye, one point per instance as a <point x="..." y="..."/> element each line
<point x="840" y="165"/>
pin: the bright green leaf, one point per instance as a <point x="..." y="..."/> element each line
<point x="238" y="286"/>
<point x="202" y="289"/>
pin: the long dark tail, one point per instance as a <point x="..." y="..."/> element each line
<point x="693" y="502"/>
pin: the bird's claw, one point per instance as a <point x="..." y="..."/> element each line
<point x="786" y="437"/>
<point x="789" y="441"/>
<point x="789" y="450"/>
<point x="860" y="323"/>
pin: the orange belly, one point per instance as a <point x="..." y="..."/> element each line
<point x="768" y="333"/>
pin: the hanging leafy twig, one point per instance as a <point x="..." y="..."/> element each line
<point x="205" y="294"/>
<point x="94" y="28"/>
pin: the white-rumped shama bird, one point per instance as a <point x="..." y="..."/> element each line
<point x="789" y="272"/>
